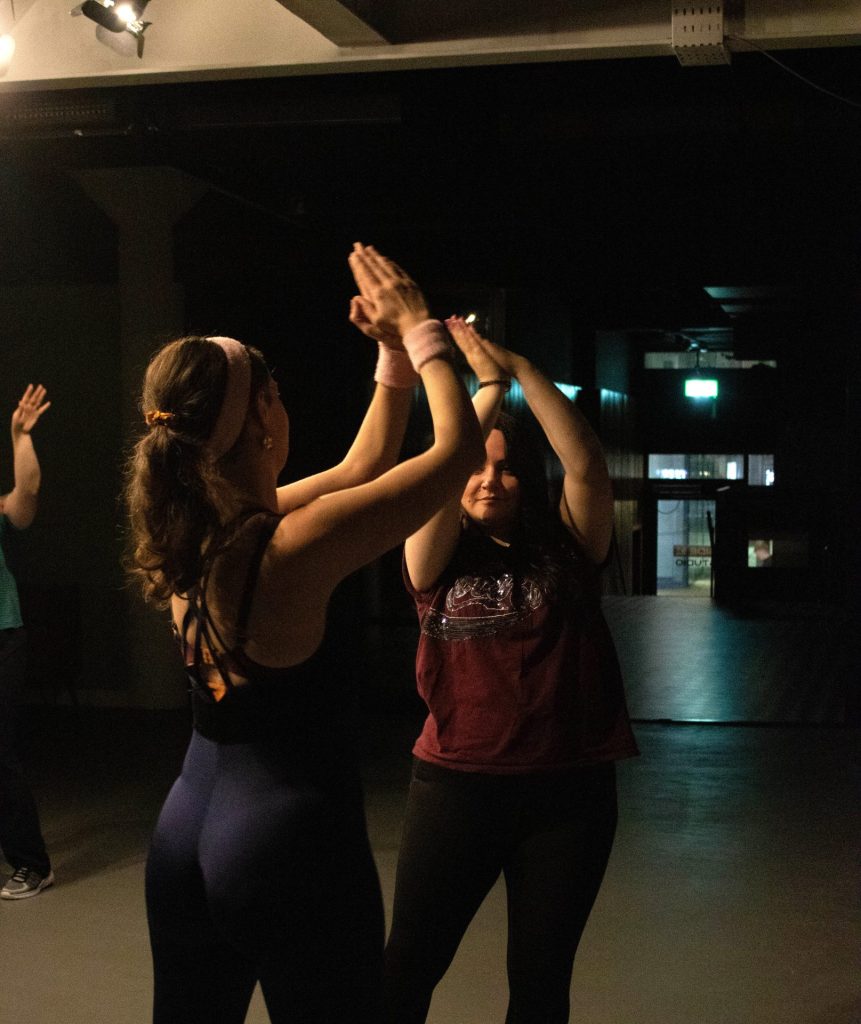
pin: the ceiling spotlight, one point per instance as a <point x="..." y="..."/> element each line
<point x="111" y="15"/>
<point x="117" y="17"/>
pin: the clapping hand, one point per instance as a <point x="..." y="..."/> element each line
<point x="487" y="360"/>
<point x="361" y="317"/>
<point x="30" y="407"/>
<point x="389" y="302"/>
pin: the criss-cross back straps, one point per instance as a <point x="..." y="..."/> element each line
<point x="205" y="629"/>
<point x="247" y="597"/>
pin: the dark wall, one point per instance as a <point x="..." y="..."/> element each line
<point x="796" y="411"/>
<point x="593" y="196"/>
<point x="59" y="315"/>
<point x="745" y="417"/>
<point x="618" y="427"/>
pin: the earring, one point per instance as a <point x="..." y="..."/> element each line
<point x="267" y="442"/>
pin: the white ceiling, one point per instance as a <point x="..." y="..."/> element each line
<point x="214" y="39"/>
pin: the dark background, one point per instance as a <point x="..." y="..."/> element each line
<point x="581" y="208"/>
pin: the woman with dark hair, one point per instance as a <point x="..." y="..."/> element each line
<point x="514" y="769"/>
<point x="260" y="868"/>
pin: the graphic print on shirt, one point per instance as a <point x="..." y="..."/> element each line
<point x="481" y="606"/>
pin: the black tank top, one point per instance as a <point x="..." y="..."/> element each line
<point x="307" y="704"/>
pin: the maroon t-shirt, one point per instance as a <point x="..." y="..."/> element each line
<point x="515" y="680"/>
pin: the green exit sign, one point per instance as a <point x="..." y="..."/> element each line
<point x="696" y="387"/>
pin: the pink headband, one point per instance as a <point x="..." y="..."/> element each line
<point x="237" y="393"/>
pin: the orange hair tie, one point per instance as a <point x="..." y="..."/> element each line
<point x="156" y="418"/>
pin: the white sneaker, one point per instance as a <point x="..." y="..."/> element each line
<point x="25" y="882"/>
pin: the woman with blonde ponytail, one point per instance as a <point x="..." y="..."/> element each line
<point x="260" y="868"/>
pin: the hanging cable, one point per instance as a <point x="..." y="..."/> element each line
<point x="794" y="73"/>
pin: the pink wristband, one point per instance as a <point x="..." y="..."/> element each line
<point x="394" y="368"/>
<point x="427" y="340"/>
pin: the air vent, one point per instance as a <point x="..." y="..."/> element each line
<point x="53" y="115"/>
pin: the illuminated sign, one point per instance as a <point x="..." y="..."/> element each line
<point x="694" y="556"/>
<point x="697" y="387"/>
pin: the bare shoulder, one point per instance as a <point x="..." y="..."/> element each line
<point x="288" y="614"/>
<point x="296" y="558"/>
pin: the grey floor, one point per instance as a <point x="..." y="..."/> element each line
<point x="731" y="895"/>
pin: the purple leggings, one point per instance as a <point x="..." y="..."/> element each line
<point x="260" y="870"/>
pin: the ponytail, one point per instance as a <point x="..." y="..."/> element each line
<point x="178" y="497"/>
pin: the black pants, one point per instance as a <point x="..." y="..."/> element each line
<point x="549" y="834"/>
<point x="20" y="833"/>
<point x="260" y="870"/>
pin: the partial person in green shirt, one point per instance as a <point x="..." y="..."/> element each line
<point x="21" y="839"/>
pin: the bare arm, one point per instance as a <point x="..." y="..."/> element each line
<point x="378" y="442"/>
<point x="21" y="502"/>
<point x="325" y="541"/>
<point x="375" y="449"/>
<point x="586" y="508"/>
<point x="429" y="550"/>
<point x="350" y="528"/>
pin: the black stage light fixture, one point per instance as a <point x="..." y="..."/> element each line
<point x="118" y="16"/>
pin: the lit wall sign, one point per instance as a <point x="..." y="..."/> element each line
<point x="694" y="556"/>
<point x="696" y="387"/>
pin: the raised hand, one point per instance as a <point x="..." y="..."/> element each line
<point x="468" y="340"/>
<point x="389" y="299"/>
<point x="360" y="317"/>
<point x="30" y="407"/>
<point x="486" y="359"/>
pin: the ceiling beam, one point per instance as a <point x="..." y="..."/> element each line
<point x="200" y="40"/>
<point x="336" y="21"/>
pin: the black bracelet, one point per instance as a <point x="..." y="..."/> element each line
<point x="505" y="381"/>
